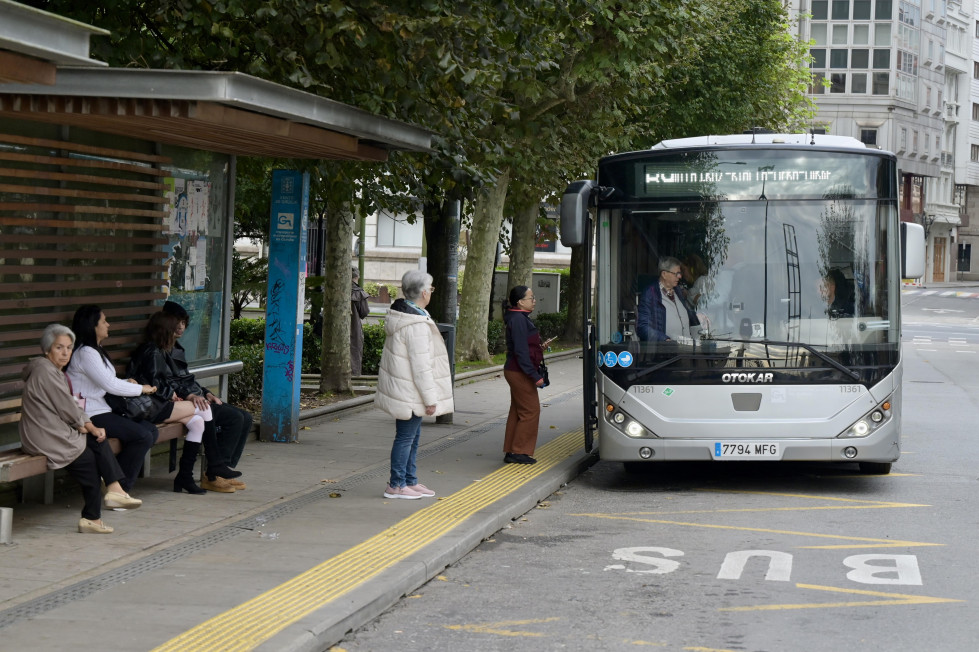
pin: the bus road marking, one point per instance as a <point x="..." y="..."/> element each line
<point x="891" y="599"/>
<point x="865" y="542"/>
<point x="501" y="628"/>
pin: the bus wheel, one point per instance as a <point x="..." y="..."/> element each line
<point x="875" y="468"/>
<point x="635" y="468"/>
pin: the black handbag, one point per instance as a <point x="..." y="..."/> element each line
<point x="542" y="370"/>
<point x="132" y="407"/>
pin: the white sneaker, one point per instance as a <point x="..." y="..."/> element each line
<point x="401" y="492"/>
<point x="421" y="489"/>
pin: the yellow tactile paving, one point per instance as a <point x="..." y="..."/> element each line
<point x="251" y="623"/>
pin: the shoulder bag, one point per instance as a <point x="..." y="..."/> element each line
<point x="132" y="407"/>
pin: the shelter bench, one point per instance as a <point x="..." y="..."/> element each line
<point x="38" y="481"/>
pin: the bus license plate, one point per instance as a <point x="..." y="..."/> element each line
<point x="739" y="450"/>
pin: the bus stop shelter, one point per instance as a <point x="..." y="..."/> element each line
<point x="117" y="186"/>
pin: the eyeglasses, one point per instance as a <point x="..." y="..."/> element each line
<point x="674" y="273"/>
<point x="430" y="290"/>
<point x="534" y="299"/>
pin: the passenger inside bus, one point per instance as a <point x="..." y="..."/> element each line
<point x="837" y="293"/>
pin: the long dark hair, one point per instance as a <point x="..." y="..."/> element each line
<point x="516" y="294"/>
<point x="161" y="330"/>
<point x="83" y="324"/>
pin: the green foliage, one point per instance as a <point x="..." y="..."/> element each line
<point x="247" y="332"/>
<point x="249" y="281"/>
<point x="372" y="288"/>
<point x="496" y="336"/>
<point x="312" y="347"/>
<point x="550" y="324"/>
<point x="245" y="386"/>
<point x="373" y="346"/>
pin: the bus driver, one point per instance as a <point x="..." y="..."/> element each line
<point x="665" y="313"/>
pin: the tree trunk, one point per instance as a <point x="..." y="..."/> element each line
<point x="337" y="286"/>
<point x="523" y="245"/>
<point x="442" y="235"/>
<point x="575" y="295"/>
<point x="471" y="341"/>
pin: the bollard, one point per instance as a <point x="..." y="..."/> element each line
<point x="6" y="524"/>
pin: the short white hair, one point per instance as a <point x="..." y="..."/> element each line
<point x="51" y="333"/>
<point x="414" y="282"/>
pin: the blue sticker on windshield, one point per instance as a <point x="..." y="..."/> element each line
<point x="611" y="359"/>
<point x="625" y="359"/>
<point x="617" y="337"/>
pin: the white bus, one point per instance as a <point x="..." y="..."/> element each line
<point x="782" y="338"/>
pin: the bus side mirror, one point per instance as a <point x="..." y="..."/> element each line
<point x="912" y="250"/>
<point x="574" y="212"/>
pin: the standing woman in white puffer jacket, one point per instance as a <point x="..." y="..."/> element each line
<point x="414" y="380"/>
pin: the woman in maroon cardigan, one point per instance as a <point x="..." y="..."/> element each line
<point x="524" y="353"/>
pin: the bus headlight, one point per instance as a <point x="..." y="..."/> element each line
<point x="624" y="423"/>
<point x="869" y="422"/>
<point x="633" y="429"/>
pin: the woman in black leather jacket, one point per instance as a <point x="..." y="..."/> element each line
<point x="153" y="359"/>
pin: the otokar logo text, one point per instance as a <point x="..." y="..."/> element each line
<point x="754" y="377"/>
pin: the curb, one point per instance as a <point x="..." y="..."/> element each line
<point x="373" y="598"/>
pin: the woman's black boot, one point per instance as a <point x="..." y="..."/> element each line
<point x="185" y="474"/>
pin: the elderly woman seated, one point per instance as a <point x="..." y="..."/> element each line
<point x="53" y="424"/>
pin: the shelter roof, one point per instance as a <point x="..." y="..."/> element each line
<point x="227" y="112"/>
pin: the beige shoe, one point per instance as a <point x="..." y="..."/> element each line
<point x="86" y="526"/>
<point x="116" y="500"/>
<point x="236" y="483"/>
<point x="219" y="485"/>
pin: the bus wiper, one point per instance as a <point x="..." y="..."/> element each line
<point x="665" y="363"/>
<point x="819" y="354"/>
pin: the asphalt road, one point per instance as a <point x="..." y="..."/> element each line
<point x="762" y="557"/>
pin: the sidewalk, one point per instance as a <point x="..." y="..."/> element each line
<point x="309" y="551"/>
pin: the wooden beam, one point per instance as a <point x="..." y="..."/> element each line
<point x="19" y="69"/>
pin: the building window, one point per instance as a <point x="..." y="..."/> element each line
<point x="816" y="87"/>
<point x="882" y="58"/>
<point x="396" y="231"/>
<point x="881" y="83"/>
<point x="975" y="69"/>
<point x="914" y="141"/>
<point x="838" y="58"/>
<point x="841" y="35"/>
<point x="818" y="33"/>
<point x="974" y="153"/>
<point x="868" y="136"/>
<point x="907" y="62"/>
<point x="964" y="263"/>
<point x="884" y="10"/>
<point x="841" y="9"/>
<point x="818" y="57"/>
<point x="861" y="9"/>
<point x="861" y="34"/>
<point x="927" y="97"/>
<point x="904" y="139"/>
<point x="838" y="82"/>
<point x="882" y="34"/>
<point x="858" y="82"/>
<point x="975" y="111"/>
<point x="860" y="59"/>
<point x="820" y="11"/>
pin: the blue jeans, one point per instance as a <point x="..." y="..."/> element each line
<point x="403" y="452"/>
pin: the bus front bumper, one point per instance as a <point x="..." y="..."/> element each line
<point x="881" y="446"/>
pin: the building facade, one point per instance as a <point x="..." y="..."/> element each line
<point x="895" y="75"/>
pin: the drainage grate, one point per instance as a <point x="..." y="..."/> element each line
<point x="86" y="588"/>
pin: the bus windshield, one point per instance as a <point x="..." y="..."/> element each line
<point x="779" y="275"/>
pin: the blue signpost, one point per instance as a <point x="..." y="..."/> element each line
<point x="284" y="307"/>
